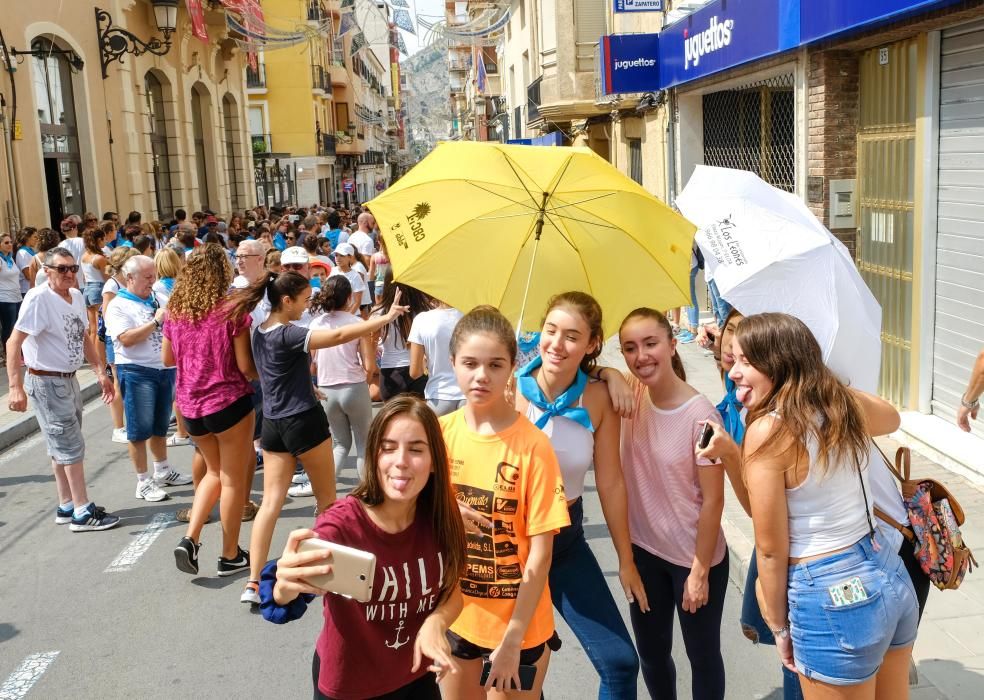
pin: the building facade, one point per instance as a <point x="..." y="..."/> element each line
<point x="88" y="126"/>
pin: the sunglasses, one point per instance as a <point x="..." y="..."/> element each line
<point x="297" y="267"/>
<point x="291" y="238"/>
<point x="243" y="257"/>
<point x="63" y="269"/>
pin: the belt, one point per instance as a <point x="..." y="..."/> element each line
<point x="46" y="373"/>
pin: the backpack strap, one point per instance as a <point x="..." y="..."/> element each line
<point x="906" y="532"/>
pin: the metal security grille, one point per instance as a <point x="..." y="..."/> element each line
<point x="751" y="127"/>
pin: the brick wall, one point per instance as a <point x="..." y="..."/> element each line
<point x="832" y="114"/>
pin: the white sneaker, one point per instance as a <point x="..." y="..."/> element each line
<point x="150" y="491"/>
<point x="119" y="435"/>
<point x="172" y="478"/>
<point x="301" y="478"/>
<point x="178" y="440"/>
<point x="304" y="489"/>
<point x="251" y="594"/>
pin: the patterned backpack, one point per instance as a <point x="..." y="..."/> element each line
<point x="936" y="517"/>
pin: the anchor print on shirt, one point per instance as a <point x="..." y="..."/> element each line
<point x="396" y="644"/>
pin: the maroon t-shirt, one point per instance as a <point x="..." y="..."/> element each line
<point x="366" y="649"/>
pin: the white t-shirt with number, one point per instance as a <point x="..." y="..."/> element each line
<point x="55" y="329"/>
<point x="433" y="329"/>
<point x="124" y="314"/>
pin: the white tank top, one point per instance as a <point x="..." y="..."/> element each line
<point x="828" y="513"/>
<point x="574" y="447"/>
<point x="91" y="273"/>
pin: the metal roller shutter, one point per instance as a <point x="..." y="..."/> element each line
<point x="959" y="324"/>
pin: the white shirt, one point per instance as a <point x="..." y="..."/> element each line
<point x="339" y="364"/>
<point x="356" y="279"/>
<point x="22" y="260"/>
<point x="362" y="242"/>
<point x="395" y="352"/>
<point x="10" y="277"/>
<point x="240" y="282"/>
<point x="55" y="329"/>
<point x="77" y="247"/>
<point x="432" y="329"/>
<point x="160" y="291"/>
<point x="124" y="314"/>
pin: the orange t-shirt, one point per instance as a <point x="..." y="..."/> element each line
<point x="513" y="478"/>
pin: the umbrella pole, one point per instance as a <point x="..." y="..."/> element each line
<point x="529" y="276"/>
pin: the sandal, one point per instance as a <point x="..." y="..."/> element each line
<point x="249" y="511"/>
<point x="184" y="516"/>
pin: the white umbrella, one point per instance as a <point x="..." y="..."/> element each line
<point x="767" y="252"/>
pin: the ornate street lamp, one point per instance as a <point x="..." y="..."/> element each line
<point x="115" y="42"/>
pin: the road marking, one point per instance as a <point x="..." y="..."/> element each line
<point x="136" y="549"/>
<point x="26" y="675"/>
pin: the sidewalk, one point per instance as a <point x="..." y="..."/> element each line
<point x="949" y="651"/>
<point x="14" y="427"/>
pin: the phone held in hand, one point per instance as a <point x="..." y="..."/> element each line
<point x="527" y="674"/>
<point x="352" y="569"/>
<point x="706" y="433"/>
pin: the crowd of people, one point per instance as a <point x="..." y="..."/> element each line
<point x="265" y="340"/>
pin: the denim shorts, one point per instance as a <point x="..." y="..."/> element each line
<point x="93" y="293"/>
<point x="845" y="645"/>
<point x="58" y="407"/>
<point x="147" y="397"/>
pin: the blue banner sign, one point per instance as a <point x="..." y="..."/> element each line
<point x="819" y="20"/>
<point x="630" y="63"/>
<point x="638" y="5"/>
<point x="726" y="34"/>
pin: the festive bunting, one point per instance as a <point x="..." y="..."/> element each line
<point x="197" y="19"/>
<point x="401" y="45"/>
<point x="399" y="3"/>
<point x="358" y="42"/>
<point x="403" y="20"/>
<point x="347" y="23"/>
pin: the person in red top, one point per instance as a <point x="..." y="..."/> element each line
<point x="405" y="513"/>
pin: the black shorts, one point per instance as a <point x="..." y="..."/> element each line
<point x="257" y="397"/>
<point x="296" y="434"/>
<point x="396" y="380"/>
<point x="463" y="649"/>
<point x="221" y="420"/>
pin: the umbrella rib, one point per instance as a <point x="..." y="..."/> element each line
<point x="513" y="167"/>
<point x="504" y="216"/>
<point x="497" y="194"/>
<point x="563" y="234"/>
<point x="582" y="221"/>
<point x="583" y="201"/>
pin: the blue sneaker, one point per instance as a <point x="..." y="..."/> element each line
<point x="259" y="460"/>
<point x="94" y="518"/>
<point x="686" y="337"/>
<point x="64" y="517"/>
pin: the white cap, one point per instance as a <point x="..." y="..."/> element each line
<point x="294" y="254"/>
<point x="341" y="249"/>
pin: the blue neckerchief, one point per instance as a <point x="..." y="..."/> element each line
<point x="528" y="342"/>
<point x="29" y="249"/>
<point x="279" y="242"/>
<point x="125" y="244"/>
<point x="730" y="410"/>
<point x="9" y="259"/>
<point x="315" y="283"/>
<point x="563" y="405"/>
<point x="150" y="301"/>
<point x="168" y="283"/>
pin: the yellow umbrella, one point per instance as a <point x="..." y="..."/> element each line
<point x="483" y="223"/>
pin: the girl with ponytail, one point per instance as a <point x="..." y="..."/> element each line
<point x="295" y="427"/>
<point x="675" y="504"/>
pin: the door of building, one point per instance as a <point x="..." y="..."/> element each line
<point x="886" y="195"/>
<point x="959" y="321"/>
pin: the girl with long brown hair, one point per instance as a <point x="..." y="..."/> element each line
<point x="837" y="599"/>
<point x="675" y="504"/>
<point x="404" y="511"/>
<point x="295" y="428"/>
<point x="215" y="364"/>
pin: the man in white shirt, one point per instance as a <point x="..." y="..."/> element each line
<point x="249" y="264"/>
<point x="75" y="243"/>
<point x="362" y="239"/>
<point x="133" y="321"/>
<point x="51" y="331"/>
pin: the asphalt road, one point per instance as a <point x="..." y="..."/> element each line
<point x="107" y="614"/>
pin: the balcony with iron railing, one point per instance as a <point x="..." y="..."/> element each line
<point x="262" y="143"/>
<point x="372" y="158"/>
<point x="319" y="80"/>
<point x="256" y="78"/>
<point x="316" y="13"/>
<point x="533" y="101"/>
<point x="327" y="145"/>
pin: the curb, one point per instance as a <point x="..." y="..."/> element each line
<point x="739" y="553"/>
<point x="28" y="425"/>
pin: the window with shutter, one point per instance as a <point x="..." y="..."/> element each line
<point x="589" y="26"/>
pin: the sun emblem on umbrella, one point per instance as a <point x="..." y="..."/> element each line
<point x="422" y="210"/>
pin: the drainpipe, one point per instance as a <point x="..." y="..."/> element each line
<point x="14" y="214"/>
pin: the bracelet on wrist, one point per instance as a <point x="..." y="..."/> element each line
<point x="972" y="405"/>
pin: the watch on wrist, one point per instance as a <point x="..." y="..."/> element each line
<point x="972" y="405"/>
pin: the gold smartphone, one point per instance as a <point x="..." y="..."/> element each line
<point x="352" y="569"/>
